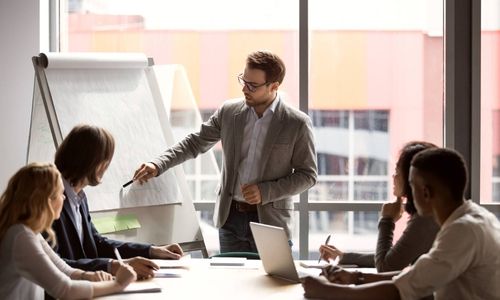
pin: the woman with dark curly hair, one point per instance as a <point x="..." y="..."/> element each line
<point x="418" y="236"/>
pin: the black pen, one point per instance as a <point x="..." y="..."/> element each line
<point x="128" y="183"/>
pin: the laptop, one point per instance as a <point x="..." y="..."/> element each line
<point x="275" y="252"/>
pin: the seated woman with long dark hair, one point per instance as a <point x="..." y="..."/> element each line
<point x="418" y="236"/>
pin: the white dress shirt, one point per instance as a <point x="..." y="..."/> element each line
<point x="254" y="136"/>
<point x="29" y="265"/>
<point x="463" y="263"/>
<point x="75" y="200"/>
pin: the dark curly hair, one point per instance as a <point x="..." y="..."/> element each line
<point x="403" y="165"/>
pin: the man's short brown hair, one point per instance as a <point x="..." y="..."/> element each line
<point x="82" y="151"/>
<point x="268" y="62"/>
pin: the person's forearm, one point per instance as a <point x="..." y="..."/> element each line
<point x="77" y="275"/>
<point x="384" y="290"/>
<point x="362" y="260"/>
<point x="286" y="186"/>
<point x="370" y="278"/>
<point x="102" y="288"/>
<point x="384" y="244"/>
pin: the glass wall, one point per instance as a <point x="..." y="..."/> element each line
<point x="209" y="40"/>
<point x="375" y="83"/>
<point x="490" y="101"/>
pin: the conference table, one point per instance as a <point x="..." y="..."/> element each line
<point x="198" y="279"/>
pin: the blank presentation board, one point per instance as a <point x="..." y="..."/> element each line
<point x="119" y="92"/>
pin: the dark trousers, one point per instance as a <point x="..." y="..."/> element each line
<point x="235" y="235"/>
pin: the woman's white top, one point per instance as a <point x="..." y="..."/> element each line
<point x="29" y="265"/>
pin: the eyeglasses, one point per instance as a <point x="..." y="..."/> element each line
<point x="252" y="87"/>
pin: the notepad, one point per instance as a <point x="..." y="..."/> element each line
<point x="141" y="287"/>
<point x="228" y="261"/>
<point x="313" y="264"/>
<point x="182" y="263"/>
<point x="169" y="273"/>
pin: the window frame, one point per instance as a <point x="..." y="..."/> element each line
<point x="462" y="113"/>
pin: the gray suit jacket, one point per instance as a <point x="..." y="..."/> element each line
<point x="288" y="165"/>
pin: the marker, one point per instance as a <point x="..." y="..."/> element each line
<point x="326" y="243"/>
<point x="128" y="183"/>
<point x="118" y="255"/>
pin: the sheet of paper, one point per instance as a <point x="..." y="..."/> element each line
<point x="313" y="264"/>
<point x="182" y="263"/>
<point x="228" y="261"/>
<point x="141" y="287"/>
<point x="170" y="273"/>
<point x="121" y="101"/>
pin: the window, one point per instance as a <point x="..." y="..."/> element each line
<point x="374" y="84"/>
<point x="496" y="155"/>
<point x="490" y="101"/>
<point x="209" y="42"/>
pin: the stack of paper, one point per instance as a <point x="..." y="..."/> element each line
<point x="170" y="273"/>
<point x="141" y="287"/>
<point x="182" y="263"/>
<point x="228" y="261"/>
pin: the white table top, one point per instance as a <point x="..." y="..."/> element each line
<point x="202" y="281"/>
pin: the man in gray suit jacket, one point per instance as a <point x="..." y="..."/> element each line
<point x="269" y="155"/>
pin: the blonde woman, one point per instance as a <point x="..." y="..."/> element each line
<point x="32" y="201"/>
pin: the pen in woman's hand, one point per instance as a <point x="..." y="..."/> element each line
<point x="326" y="243"/>
<point x="118" y="256"/>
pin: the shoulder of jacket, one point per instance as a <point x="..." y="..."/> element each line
<point x="233" y="103"/>
<point x="293" y="113"/>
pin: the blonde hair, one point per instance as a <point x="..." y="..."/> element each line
<point x="27" y="199"/>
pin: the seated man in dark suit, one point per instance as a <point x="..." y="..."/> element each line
<point x="82" y="159"/>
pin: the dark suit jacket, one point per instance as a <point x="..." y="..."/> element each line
<point x="95" y="251"/>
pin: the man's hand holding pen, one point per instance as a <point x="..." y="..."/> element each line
<point x="145" y="172"/>
<point x="142" y="266"/>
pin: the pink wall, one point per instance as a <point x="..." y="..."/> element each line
<point x="399" y="71"/>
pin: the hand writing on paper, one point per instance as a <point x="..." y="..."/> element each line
<point x="125" y="275"/>
<point x="145" y="172"/>
<point x="251" y="193"/>
<point x="142" y="266"/>
<point x="330" y="252"/>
